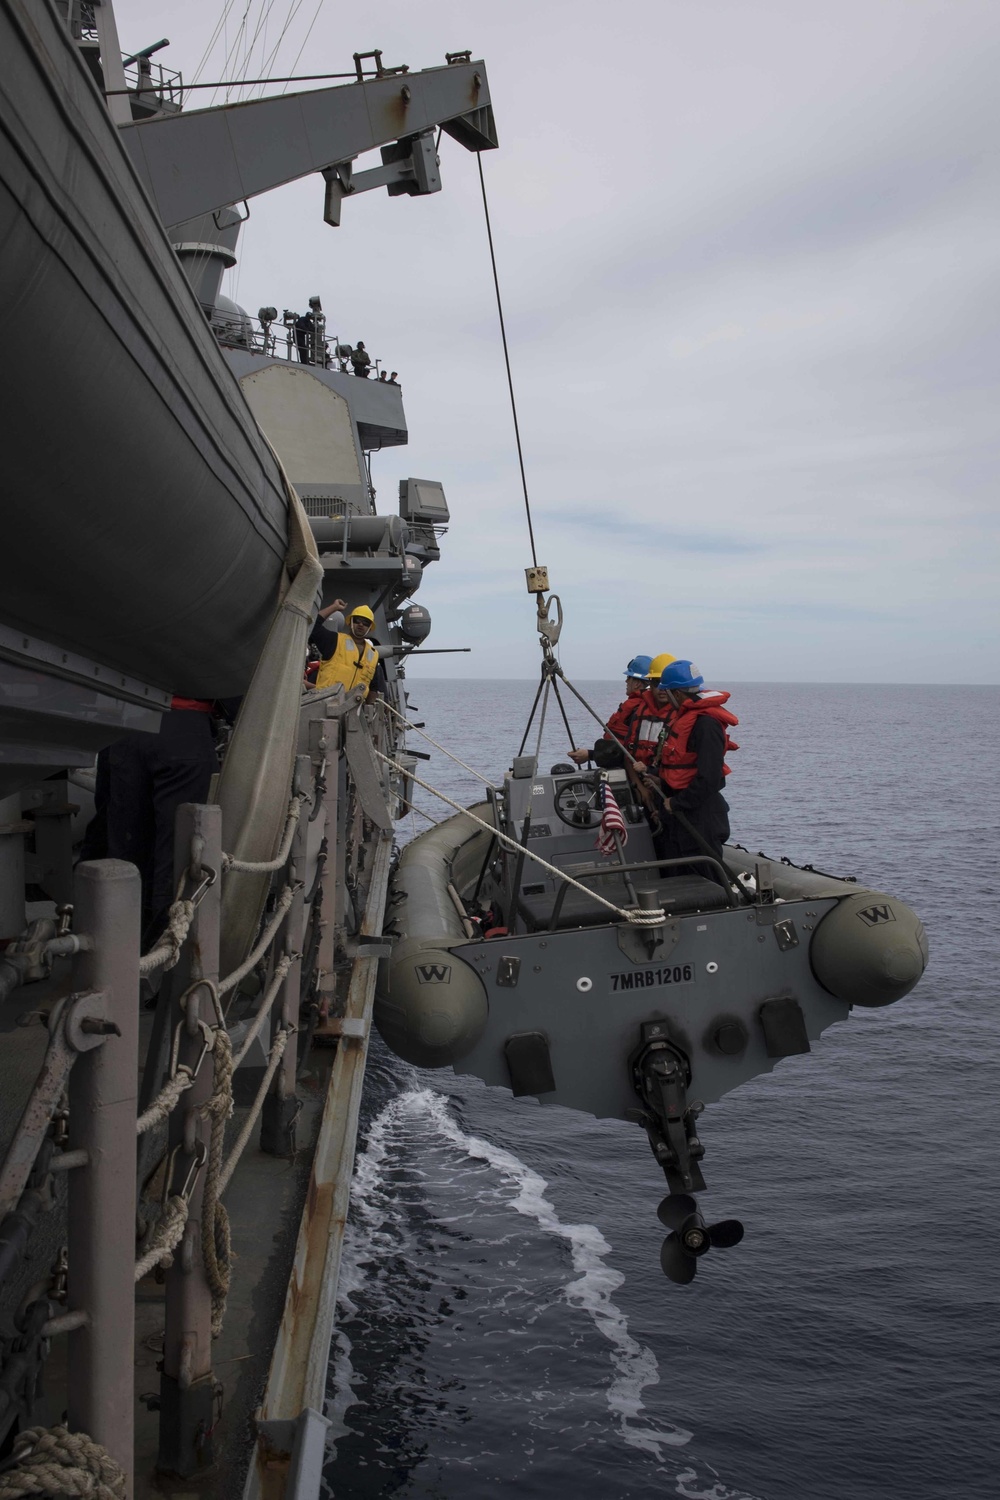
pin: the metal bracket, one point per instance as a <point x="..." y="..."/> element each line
<point x="508" y="972"/>
<point x="365" y="946"/>
<point x="364" y="769"/>
<point x="68" y="1039"/>
<point x="785" y="935"/>
<point x="634" y="941"/>
<point x="348" y="1028"/>
<point x="85" y="1021"/>
<point x="299" y="1441"/>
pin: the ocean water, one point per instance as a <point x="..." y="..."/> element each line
<point x="504" y="1325"/>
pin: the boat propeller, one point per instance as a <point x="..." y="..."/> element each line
<point x="691" y="1237"/>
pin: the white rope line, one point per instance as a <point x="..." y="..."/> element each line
<point x="264" y="1009"/>
<point x="168" y="948"/>
<point x="478" y="775"/>
<point x="434" y="822"/>
<point x="638" y="917"/>
<point x="165" y="1100"/>
<point x="277" y="1048"/>
<point x="165" y="1237"/>
<point x="267" y="938"/>
<point x="268" y="866"/>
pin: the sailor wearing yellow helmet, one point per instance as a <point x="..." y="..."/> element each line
<point x="625" y="726"/>
<point x="646" y="725"/>
<point x="347" y="657"/>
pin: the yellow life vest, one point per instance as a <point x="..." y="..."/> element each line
<point x="348" y="664"/>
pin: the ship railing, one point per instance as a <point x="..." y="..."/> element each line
<point x="86" y="1109"/>
<point x="277" y="339"/>
<point x="155" y="85"/>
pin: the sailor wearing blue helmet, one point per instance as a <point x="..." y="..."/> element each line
<point x="637" y="675"/>
<point x="636" y="683"/>
<point x="691" y="766"/>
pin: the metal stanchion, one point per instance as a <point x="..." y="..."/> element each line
<point x="187" y="1384"/>
<point x="281" y="1107"/>
<point x="102" y="1113"/>
<point x="328" y="735"/>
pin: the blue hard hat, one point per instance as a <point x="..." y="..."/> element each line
<point x="638" y="666"/>
<point x="681" y="674"/>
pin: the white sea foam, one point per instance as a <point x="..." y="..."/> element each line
<point x="693" y="1486"/>
<point x="359" y="1244"/>
<point x="591" y="1289"/>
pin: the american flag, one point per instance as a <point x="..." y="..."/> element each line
<point x="612" y="822"/>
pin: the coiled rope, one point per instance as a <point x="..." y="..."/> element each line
<point x="637" y="916"/>
<point x="53" y="1462"/>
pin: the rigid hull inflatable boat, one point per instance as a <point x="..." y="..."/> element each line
<point x="643" y="990"/>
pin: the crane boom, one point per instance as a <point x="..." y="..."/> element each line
<point x="198" y="162"/>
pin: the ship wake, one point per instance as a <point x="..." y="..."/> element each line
<point x="414" y="1144"/>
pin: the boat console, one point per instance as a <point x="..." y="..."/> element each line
<point x="558" y="817"/>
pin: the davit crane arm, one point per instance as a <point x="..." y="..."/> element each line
<point x="194" y="163"/>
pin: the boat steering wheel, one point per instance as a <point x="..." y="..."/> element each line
<point x="578" y="802"/>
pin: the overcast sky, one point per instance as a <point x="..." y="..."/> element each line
<point x="748" y="256"/>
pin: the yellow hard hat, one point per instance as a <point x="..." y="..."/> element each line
<point x="365" y="613"/>
<point x="657" y="665"/>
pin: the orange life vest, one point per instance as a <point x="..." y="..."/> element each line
<point x="642" y="727"/>
<point x="621" y="718"/>
<point x="678" y="766"/>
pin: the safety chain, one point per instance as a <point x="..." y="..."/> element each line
<point x="53" y="1462"/>
<point x="269" y="866"/>
<point x="167" y="950"/>
<point x="382" y="703"/>
<point x="638" y="917"/>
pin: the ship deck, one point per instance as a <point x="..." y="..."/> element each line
<point x="265" y="1203"/>
<point x="271" y="1215"/>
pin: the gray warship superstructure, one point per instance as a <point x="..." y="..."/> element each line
<point x="184" y="486"/>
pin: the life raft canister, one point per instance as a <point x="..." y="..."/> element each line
<point x="348" y="665"/>
<point x="678" y="765"/>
